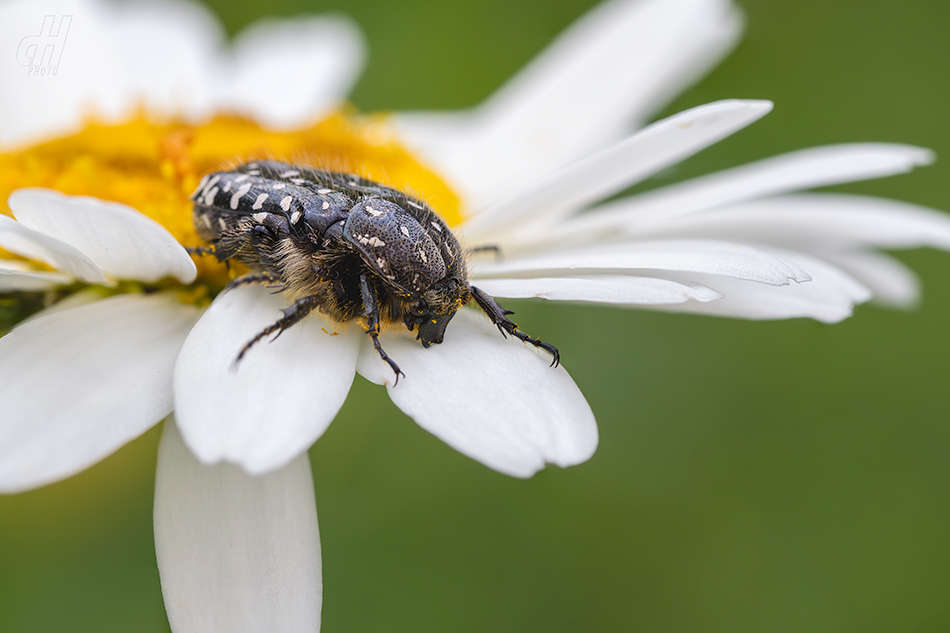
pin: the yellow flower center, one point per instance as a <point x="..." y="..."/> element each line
<point x="155" y="168"/>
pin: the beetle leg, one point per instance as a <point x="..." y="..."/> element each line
<point x="200" y="250"/>
<point x="499" y="317"/>
<point x="371" y="313"/>
<point x="292" y="315"/>
<point x="481" y="249"/>
<point x="258" y="237"/>
<point x="256" y="278"/>
<point x="209" y="250"/>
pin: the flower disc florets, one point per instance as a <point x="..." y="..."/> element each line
<point x="155" y="167"/>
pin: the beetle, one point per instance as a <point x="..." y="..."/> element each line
<point x="346" y="246"/>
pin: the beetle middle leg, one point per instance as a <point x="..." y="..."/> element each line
<point x="256" y="278"/>
<point x="209" y="250"/>
<point x="371" y="313"/>
<point x="292" y="315"/>
<point x="200" y="250"/>
<point x="499" y="317"/>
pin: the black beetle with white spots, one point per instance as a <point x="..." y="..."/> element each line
<point x="348" y="247"/>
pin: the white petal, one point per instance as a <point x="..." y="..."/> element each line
<point x="611" y="170"/>
<point x="24" y="241"/>
<point x="804" y="169"/>
<point x="278" y="400"/>
<point x="167" y="56"/>
<point x="288" y="73"/>
<point x="78" y="384"/>
<point x="236" y="553"/>
<point x="893" y="284"/>
<point x="717" y="258"/>
<point x="14" y="277"/>
<point x="107" y="59"/>
<point x="829" y="297"/>
<point x="32" y="108"/>
<point x="699" y="35"/>
<point x="123" y="242"/>
<point x="813" y="221"/>
<point x="610" y="70"/>
<point x="615" y="289"/>
<point x="15" y="264"/>
<point x="488" y="397"/>
<point x="90" y="294"/>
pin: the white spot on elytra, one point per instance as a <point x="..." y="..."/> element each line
<point x="214" y="180"/>
<point x="373" y="212"/>
<point x="241" y="178"/>
<point x="437" y="227"/>
<point x="372" y="241"/>
<point x="324" y="191"/>
<point x="285" y="203"/>
<point x="259" y="217"/>
<point x="326" y="205"/>
<point x="422" y="254"/>
<point x="209" y="197"/>
<point x="238" y="194"/>
<point x="297" y="181"/>
<point x="295" y="217"/>
<point x="279" y="185"/>
<point x="201" y="185"/>
<point x="288" y="174"/>
<point x="254" y="172"/>
<point x="381" y="263"/>
<point x="404" y="230"/>
<point x="259" y="202"/>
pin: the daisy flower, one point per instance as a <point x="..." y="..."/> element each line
<point x="98" y="165"/>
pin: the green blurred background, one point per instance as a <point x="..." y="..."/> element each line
<point x="784" y="476"/>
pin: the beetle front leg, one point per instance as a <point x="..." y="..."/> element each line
<point x="371" y="313"/>
<point x="499" y="317"/>
<point x="292" y="315"/>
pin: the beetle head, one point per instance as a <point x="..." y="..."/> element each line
<point x="436" y="308"/>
